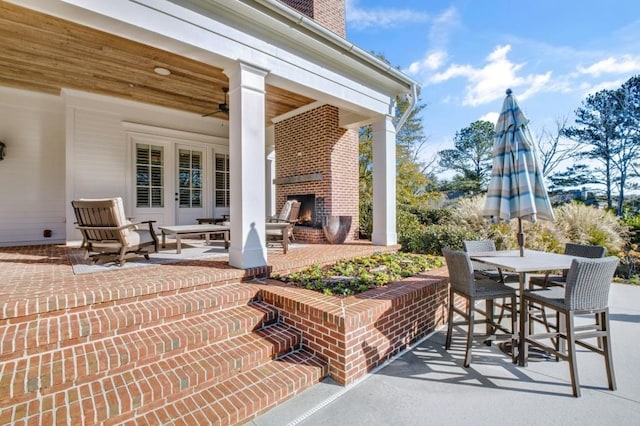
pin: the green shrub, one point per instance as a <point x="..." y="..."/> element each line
<point x="366" y="220"/>
<point x="632" y="221"/>
<point x="538" y="236"/>
<point x="427" y="216"/>
<point x="467" y="212"/>
<point x="433" y="238"/>
<point x="406" y="224"/>
<point x="589" y="225"/>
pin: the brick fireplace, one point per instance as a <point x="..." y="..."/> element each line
<point x="317" y="159"/>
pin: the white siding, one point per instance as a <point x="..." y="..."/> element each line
<point x="32" y="173"/>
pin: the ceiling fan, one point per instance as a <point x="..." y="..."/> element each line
<point x="223" y="108"/>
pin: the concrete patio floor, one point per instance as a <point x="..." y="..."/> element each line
<point x="427" y="385"/>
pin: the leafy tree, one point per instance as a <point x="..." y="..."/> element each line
<point x="609" y="123"/>
<point x="471" y="157"/>
<point x="411" y="182"/>
<point x="628" y="151"/>
<point x="598" y="121"/>
<point x="576" y="175"/>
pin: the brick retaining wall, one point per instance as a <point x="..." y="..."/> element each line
<point x="357" y="333"/>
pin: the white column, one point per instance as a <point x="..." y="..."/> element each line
<point x="270" y="189"/>
<point x="384" y="183"/>
<point x="247" y="165"/>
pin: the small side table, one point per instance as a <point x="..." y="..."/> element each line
<point x="212" y="220"/>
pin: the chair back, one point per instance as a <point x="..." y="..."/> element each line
<point x="583" y="250"/>
<point x="460" y="271"/>
<point x="98" y="213"/>
<point x="284" y="212"/>
<point x="294" y="212"/>
<point x="474" y="246"/>
<point x="588" y="282"/>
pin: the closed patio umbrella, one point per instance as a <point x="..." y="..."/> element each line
<point x="516" y="188"/>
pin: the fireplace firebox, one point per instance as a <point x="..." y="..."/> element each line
<point x="308" y="210"/>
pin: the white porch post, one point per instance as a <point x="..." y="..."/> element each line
<point x="247" y="168"/>
<point x="270" y="189"/>
<point x="384" y="182"/>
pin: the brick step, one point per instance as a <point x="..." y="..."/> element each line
<point x="238" y="399"/>
<point x="58" y="369"/>
<point x="148" y="385"/>
<point x="61" y="329"/>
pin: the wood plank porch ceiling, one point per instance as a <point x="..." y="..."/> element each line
<point x="43" y="53"/>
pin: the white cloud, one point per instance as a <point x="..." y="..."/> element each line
<point x="431" y="62"/>
<point x="442" y="26"/>
<point x="439" y="32"/>
<point x="491" y="117"/>
<point x="611" y="65"/>
<point x="488" y="83"/>
<point x="589" y="89"/>
<point x="360" y="18"/>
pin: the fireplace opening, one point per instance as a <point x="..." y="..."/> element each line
<point x="307" y="216"/>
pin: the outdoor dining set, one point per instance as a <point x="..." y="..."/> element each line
<point x="504" y="279"/>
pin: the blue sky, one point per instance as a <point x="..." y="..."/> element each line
<point x="466" y="53"/>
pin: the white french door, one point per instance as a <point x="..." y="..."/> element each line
<point x="191" y="184"/>
<point x="170" y="181"/>
<point x="153" y="173"/>
<point x="177" y="177"/>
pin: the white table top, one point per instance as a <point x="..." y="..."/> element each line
<point x="531" y="261"/>
<point x="184" y="229"/>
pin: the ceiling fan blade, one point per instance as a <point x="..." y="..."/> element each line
<point x="223" y="108"/>
<point x="216" y="112"/>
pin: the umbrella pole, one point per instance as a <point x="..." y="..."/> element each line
<point x="520" y="237"/>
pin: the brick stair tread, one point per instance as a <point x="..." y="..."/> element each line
<point x="150" y="383"/>
<point x="76" y="364"/>
<point x="238" y="399"/>
<point x="55" y="330"/>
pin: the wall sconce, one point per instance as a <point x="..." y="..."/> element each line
<point x="2" y="148"/>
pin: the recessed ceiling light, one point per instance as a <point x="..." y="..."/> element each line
<point x="161" y="71"/>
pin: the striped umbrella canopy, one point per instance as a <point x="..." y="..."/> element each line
<point x="516" y="188"/>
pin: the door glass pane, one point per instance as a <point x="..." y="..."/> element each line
<point x="189" y="178"/>
<point x="149" y="175"/>
<point x="221" y="197"/>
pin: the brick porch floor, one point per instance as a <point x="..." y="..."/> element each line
<point x="39" y="279"/>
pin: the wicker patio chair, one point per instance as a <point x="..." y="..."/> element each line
<point x="484" y="271"/>
<point x="586" y="292"/>
<point x="107" y="232"/>
<point x="572" y="249"/>
<point x="464" y="284"/>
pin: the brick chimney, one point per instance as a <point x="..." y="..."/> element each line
<point x="328" y="13"/>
